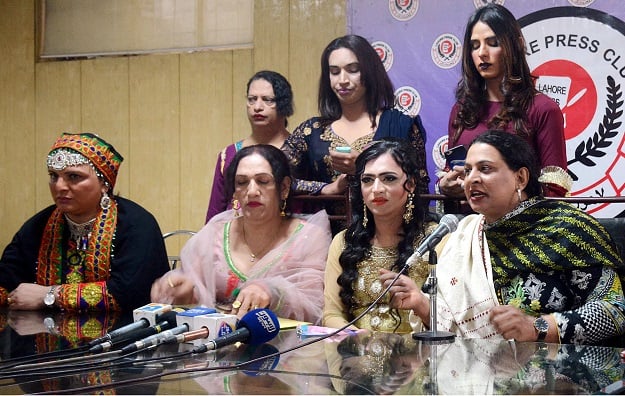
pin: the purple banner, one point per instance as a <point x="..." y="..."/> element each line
<point x="575" y="47"/>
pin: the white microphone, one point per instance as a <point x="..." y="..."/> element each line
<point x="255" y="327"/>
<point x="448" y="224"/>
<point x="143" y="317"/>
<point x="154" y="340"/>
<point x="166" y="321"/>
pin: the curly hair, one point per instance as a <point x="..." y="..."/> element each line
<point x="358" y="237"/>
<point x="380" y="94"/>
<point x="517" y="85"/>
<point x="281" y="89"/>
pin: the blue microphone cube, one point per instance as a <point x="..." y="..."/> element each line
<point x="187" y="316"/>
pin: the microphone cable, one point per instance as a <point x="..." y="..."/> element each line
<point x="38" y="357"/>
<point x="235" y="366"/>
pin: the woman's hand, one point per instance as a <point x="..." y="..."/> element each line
<point x="514" y="324"/>
<point x="452" y="183"/>
<point x="250" y="297"/>
<point x="344" y="162"/>
<point x="173" y="288"/>
<point x="28" y="296"/>
<point x="405" y="294"/>
<point x="338" y="186"/>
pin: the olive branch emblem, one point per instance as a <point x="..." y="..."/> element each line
<point x="592" y="148"/>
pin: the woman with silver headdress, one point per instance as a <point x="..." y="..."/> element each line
<point x="90" y="250"/>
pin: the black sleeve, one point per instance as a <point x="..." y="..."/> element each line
<point x="139" y="255"/>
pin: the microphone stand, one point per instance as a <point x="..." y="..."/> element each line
<point x="430" y="287"/>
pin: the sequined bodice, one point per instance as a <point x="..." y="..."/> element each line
<point x="368" y="287"/>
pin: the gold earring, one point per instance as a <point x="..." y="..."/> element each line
<point x="409" y="208"/>
<point x="282" y="208"/>
<point x="365" y="220"/>
<point x="518" y="191"/>
<point x="236" y="205"/>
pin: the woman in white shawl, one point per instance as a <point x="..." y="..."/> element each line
<point x="524" y="268"/>
<point x="255" y="255"/>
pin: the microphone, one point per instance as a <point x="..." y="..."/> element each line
<point x="187" y="336"/>
<point x="154" y="340"/>
<point x="448" y="224"/>
<point x="255" y="327"/>
<point x="167" y="321"/>
<point x="144" y="317"/>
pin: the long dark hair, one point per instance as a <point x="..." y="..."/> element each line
<point x="380" y="94"/>
<point x="517" y="85"/>
<point x="357" y="237"/>
<point x="281" y="89"/>
<point x="277" y="160"/>
<point x="517" y="154"/>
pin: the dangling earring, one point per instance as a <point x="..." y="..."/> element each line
<point x="282" y="207"/>
<point x="518" y="191"/>
<point x="409" y="208"/>
<point x="236" y="205"/>
<point x="105" y="201"/>
<point x="365" y="220"/>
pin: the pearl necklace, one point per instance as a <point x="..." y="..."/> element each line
<point x="80" y="233"/>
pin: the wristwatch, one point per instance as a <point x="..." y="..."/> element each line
<point x="50" y="298"/>
<point x="541" y="326"/>
<point x="50" y="325"/>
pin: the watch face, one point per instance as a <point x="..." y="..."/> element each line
<point x="541" y="325"/>
<point x="49" y="322"/>
<point x="49" y="299"/>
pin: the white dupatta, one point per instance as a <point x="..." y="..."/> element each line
<point x="465" y="283"/>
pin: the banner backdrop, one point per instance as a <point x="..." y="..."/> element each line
<point x="576" y="48"/>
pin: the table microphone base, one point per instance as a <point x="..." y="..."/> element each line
<point x="438" y="337"/>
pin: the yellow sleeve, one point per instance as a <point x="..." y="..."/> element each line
<point x="334" y="311"/>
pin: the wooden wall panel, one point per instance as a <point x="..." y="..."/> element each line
<point x="168" y="115"/>
<point x="57" y="110"/>
<point x="206" y="127"/>
<point x="243" y="67"/>
<point x="271" y="35"/>
<point x="153" y="158"/>
<point x="18" y="157"/>
<point x="104" y="110"/>
<point x="313" y="24"/>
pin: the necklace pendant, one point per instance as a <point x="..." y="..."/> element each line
<point x="83" y="242"/>
<point x="252" y="257"/>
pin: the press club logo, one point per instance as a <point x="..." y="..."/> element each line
<point x="385" y="52"/>
<point x="408" y="100"/>
<point x="578" y="55"/>
<point x="403" y="10"/>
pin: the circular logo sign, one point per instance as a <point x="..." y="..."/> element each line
<point x="446" y="51"/>
<point x="581" y="3"/>
<point x="438" y="152"/>
<point x="403" y="10"/>
<point x="481" y="3"/>
<point x="578" y="55"/>
<point x="408" y="100"/>
<point x="385" y="52"/>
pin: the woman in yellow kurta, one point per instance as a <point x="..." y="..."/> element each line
<point x="386" y="226"/>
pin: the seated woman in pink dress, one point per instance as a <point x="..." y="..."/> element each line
<point x="254" y="255"/>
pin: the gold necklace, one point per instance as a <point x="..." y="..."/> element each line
<point x="259" y="255"/>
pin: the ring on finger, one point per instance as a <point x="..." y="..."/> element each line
<point x="170" y="283"/>
<point x="236" y="304"/>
